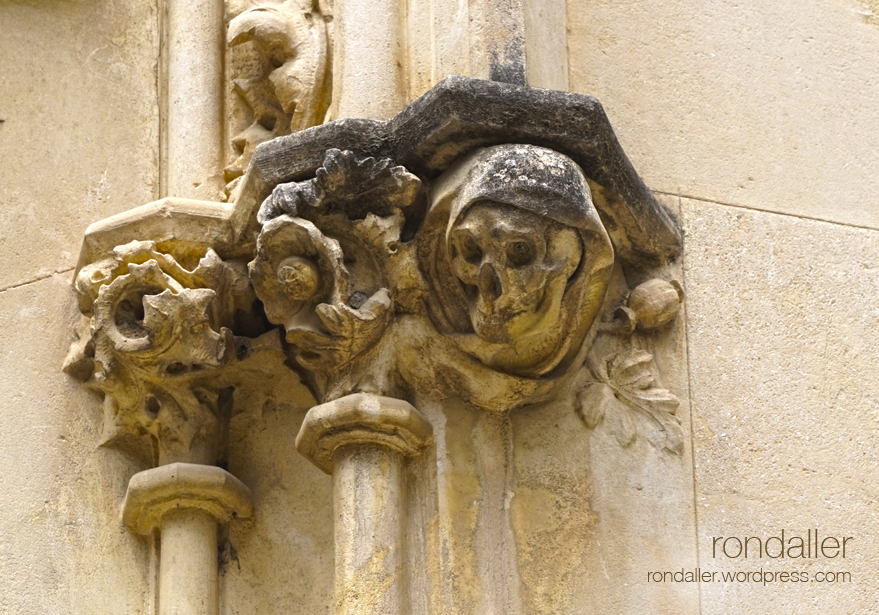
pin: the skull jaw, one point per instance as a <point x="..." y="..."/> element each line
<point x="512" y="318"/>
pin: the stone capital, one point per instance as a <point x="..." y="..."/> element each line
<point x="154" y="493"/>
<point x="361" y="419"/>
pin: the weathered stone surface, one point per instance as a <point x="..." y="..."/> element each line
<point x="781" y="327"/>
<point x="199" y="224"/>
<point x="363" y="441"/>
<point x="161" y="491"/>
<point x="505" y="317"/>
<point x="514" y="251"/>
<point x="191" y="99"/>
<point x="156" y="340"/>
<point x="183" y="503"/>
<point x="280" y="62"/>
<point x="79" y="129"/>
<point x="360" y="419"/>
<point x="460" y="115"/>
<point x="770" y="104"/>
<point x="62" y="548"/>
<point x="369" y="75"/>
<point x="557" y="508"/>
<point x="508" y="41"/>
<point x="485" y="282"/>
<point x="283" y="554"/>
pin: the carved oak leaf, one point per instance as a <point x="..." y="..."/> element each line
<point x="180" y="326"/>
<point x="626" y="385"/>
<point x="346" y="183"/>
<point x="346" y="332"/>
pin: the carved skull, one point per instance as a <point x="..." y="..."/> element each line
<point x="518" y="257"/>
<point x="515" y="266"/>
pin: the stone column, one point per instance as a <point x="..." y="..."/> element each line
<point x="185" y="502"/>
<point x="194" y="99"/>
<point x="514" y="41"/>
<point x="363" y="440"/>
<point x="368" y="59"/>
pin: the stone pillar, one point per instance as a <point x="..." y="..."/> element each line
<point x="194" y="113"/>
<point x="363" y="440"/>
<point x="185" y="502"/>
<point x="368" y="61"/>
<point x="514" y="41"/>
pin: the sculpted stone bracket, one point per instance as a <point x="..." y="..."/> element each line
<point x="459" y="115"/>
<point x="490" y="243"/>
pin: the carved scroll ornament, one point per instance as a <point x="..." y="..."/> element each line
<point x="280" y="74"/>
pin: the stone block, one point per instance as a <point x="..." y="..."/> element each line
<point x="768" y="104"/>
<point x="783" y="382"/>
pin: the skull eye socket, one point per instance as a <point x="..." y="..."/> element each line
<point x="468" y="249"/>
<point x="520" y="253"/>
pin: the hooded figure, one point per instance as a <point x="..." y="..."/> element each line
<point x="517" y="258"/>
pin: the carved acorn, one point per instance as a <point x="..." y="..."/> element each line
<point x="654" y="303"/>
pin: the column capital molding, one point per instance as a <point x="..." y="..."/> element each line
<point x="361" y="419"/>
<point x="154" y="493"/>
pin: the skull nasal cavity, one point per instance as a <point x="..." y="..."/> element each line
<point x="489" y="283"/>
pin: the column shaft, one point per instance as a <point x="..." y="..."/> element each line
<point x="195" y="98"/>
<point x="367" y="495"/>
<point x="368" y="62"/>
<point x="188" y="581"/>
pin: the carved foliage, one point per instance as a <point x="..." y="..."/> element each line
<point x="154" y="334"/>
<point x="622" y="389"/>
<point x="494" y="298"/>
<point x="626" y="384"/>
<point x="324" y="264"/>
<point x="280" y="75"/>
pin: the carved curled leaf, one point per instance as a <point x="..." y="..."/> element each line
<point x="631" y="369"/>
<point x="209" y="271"/>
<point x="347" y="332"/>
<point x="156" y="342"/>
<point x="296" y="268"/>
<point x="628" y="384"/>
<point x="346" y="183"/>
<point x="294" y="199"/>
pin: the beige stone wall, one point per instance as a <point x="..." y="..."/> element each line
<point x="746" y="109"/>
<point x="766" y="104"/>
<point x="783" y="371"/>
<point x="79" y="142"/>
<point x="753" y="119"/>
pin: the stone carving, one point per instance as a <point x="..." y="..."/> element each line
<point x="518" y="232"/>
<point x="281" y="80"/>
<point x="621" y="385"/>
<point x="504" y="280"/>
<point x="329" y="287"/>
<point x="155" y="341"/>
<point x="513" y="263"/>
<point x="625" y="383"/>
<point x="466" y="258"/>
<point x="185" y="502"/>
